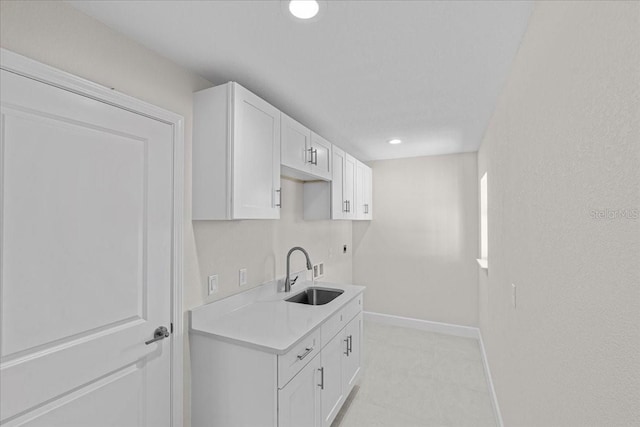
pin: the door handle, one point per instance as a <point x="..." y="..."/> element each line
<point x="321" y="385"/>
<point x="159" y="334"/>
<point x="313" y="156"/>
<point x="279" y="193"/>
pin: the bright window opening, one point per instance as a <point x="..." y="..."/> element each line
<point x="484" y="241"/>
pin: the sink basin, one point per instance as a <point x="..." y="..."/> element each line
<point x="315" y="296"/>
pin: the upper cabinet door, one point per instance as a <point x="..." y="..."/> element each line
<point x="338" y="202"/>
<point x="236" y="155"/>
<point x="349" y="190"/>
<point x="320" y="156"/>
<point x="256" y="157"/>
<point x="363" y="191"/>
<point x="295" y="144"/>
<point x="305" y="155"/>
<point x="368" y="193"/>
<point x="360" y="199"/>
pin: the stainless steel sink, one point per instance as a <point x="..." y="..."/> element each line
<point x="315" y="296"/>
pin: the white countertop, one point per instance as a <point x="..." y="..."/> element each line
<point x="261" y="317"/>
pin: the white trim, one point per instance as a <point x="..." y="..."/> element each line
<point x="32" y="69"/>
<point x="492" y="390"/>
<point x="425" y="325"/>
<point x="483" y="262"/>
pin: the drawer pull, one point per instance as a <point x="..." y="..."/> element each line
<point x="306" y="353"/>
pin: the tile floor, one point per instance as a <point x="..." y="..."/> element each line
<point x="418" y="378"/>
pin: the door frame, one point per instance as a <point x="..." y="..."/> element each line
<point x="21" y="65"/>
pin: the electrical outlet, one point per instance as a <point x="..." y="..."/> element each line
<point x="242" y="277"/>
<point x="318" y="271"/>
<point x="513" y="295"/>
<point x="213" y="284"/>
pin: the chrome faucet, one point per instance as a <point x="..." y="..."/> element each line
<point x="287" y="280"/>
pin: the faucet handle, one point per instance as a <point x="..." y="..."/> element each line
<point x="292" y="282"/>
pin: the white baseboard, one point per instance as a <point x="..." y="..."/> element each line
<point x="492" y="390"/>
<point x="425" y="325"/>
<point x="448" y="329"/>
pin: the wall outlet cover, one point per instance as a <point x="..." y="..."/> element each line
<point x="242" y="277"/>
<point x="213" y="284"/>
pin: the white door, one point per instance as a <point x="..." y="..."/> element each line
<point x="256" y="157"/>
<point x="86" y="260"/>
<point x="299" y="401"/>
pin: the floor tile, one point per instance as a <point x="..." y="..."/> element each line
<point x="418" y="378"/>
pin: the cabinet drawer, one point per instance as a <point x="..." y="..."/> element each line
<point x="295" y="359"/>
<point x="331" y="327"/>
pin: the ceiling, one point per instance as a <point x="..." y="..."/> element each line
<point x="427" y="72"/>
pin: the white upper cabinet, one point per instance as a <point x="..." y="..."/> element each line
<point x="364" y="187"/>
<point x="321" y="164"/>
<point x="236" y="155"/>
<point x="305" y="155"/>
<point x="338" y="199"/>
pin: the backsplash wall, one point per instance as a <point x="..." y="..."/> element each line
<point x="261" y="246"/>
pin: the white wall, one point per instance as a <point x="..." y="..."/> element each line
<point x="56" y="34"/>
<point x="417" y="257"/>
<point x="564" y="141"/>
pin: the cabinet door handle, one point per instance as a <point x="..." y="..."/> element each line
<point x="350" y="343"/>
<point x="346" y="340"/>
<point x="314" y="156"/>
<point x="348" y="205"/>
<point x="366" y="208"/>
<point x="321" y="385"/>
<point x="310" y="150"/>
<point x="279" y="193"/>
<point x="345" y="206"/>
<point x="306" y="351"/>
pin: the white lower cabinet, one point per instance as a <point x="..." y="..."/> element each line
<point x="235" y="385"/>
<point x="299" y="401"/>
<point x="352" y="362"/>
<point x="315" y="395"/>
<point x="332" y="385"/>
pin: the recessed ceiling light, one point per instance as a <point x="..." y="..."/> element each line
<point x="304" y="9"/>
<point x="395" y="141"/>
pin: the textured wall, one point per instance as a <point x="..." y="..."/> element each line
<point x="56" y="34"/>
<point x="417" y="257"/>
<point x="565" y="141"/>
